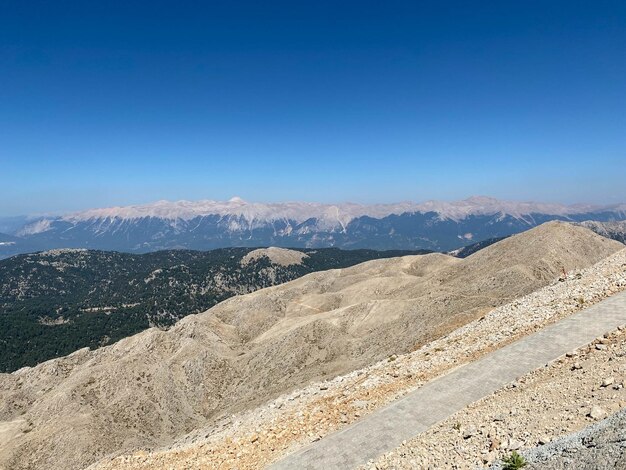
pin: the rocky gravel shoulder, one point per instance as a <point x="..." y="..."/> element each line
<point x="256" y="438"/>
<point x="599" y="446"/>
<point x="567" y="395"/>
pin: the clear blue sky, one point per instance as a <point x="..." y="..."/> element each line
<point x="109" y="102"/>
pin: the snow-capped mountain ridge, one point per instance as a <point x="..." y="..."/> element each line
<point x="341" y="213"/>
<point x="204" y="225"/>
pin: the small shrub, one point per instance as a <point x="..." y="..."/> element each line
<point x="513" y="462"/>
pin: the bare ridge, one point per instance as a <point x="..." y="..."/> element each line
<point x="148" y="389"/>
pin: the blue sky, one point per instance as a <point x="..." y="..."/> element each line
<point x="110" y="103"/>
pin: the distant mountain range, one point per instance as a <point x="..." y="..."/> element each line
<point x="204" y="225"/>
<point x="613" y="230"/>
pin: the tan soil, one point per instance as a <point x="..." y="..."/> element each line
<point x="148" y="390"/>
<point x="280" y="256"/>
<point x="261" y="436"/>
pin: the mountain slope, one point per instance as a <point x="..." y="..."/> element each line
<point x="613" y="230"/>
<point x="150" y="388"/>
<point x="56" y="302"/>
<point x="433" y="225"/>
<point x="474" y="247"/>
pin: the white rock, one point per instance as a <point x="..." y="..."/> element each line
<point x="597" y="413"/>
<point x="514" y="444"/>
<point x="608" y="381"/>
<point x="468" y="432"/>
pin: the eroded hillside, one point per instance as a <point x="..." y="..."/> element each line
<point x="55" y="302"/>
<point x="153" y="387"/>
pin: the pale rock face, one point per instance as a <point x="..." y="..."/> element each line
<point x="276" y="255"/>
<point x="35" y="227"/>
<point x="332" y="214"/>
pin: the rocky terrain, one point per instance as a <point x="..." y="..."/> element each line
<point x="571" y="393"/>
<point x="255" y="438"/>
<point x="55" y="302"/>
<point x="598" y="446"/>
<point x="474" y="247"/>
<point x="613" y="230"/>
<point x="147" y="390"/>
<point x="279" y="256"/>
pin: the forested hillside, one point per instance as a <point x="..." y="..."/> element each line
<point x="56" y="302"/>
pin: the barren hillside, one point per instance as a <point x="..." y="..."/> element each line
<point x="255" y="438"/>
<point x="152" y="387"/>
<point x="613" y="230"/>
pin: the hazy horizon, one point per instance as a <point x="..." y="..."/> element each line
<point x="416" y="202"/>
